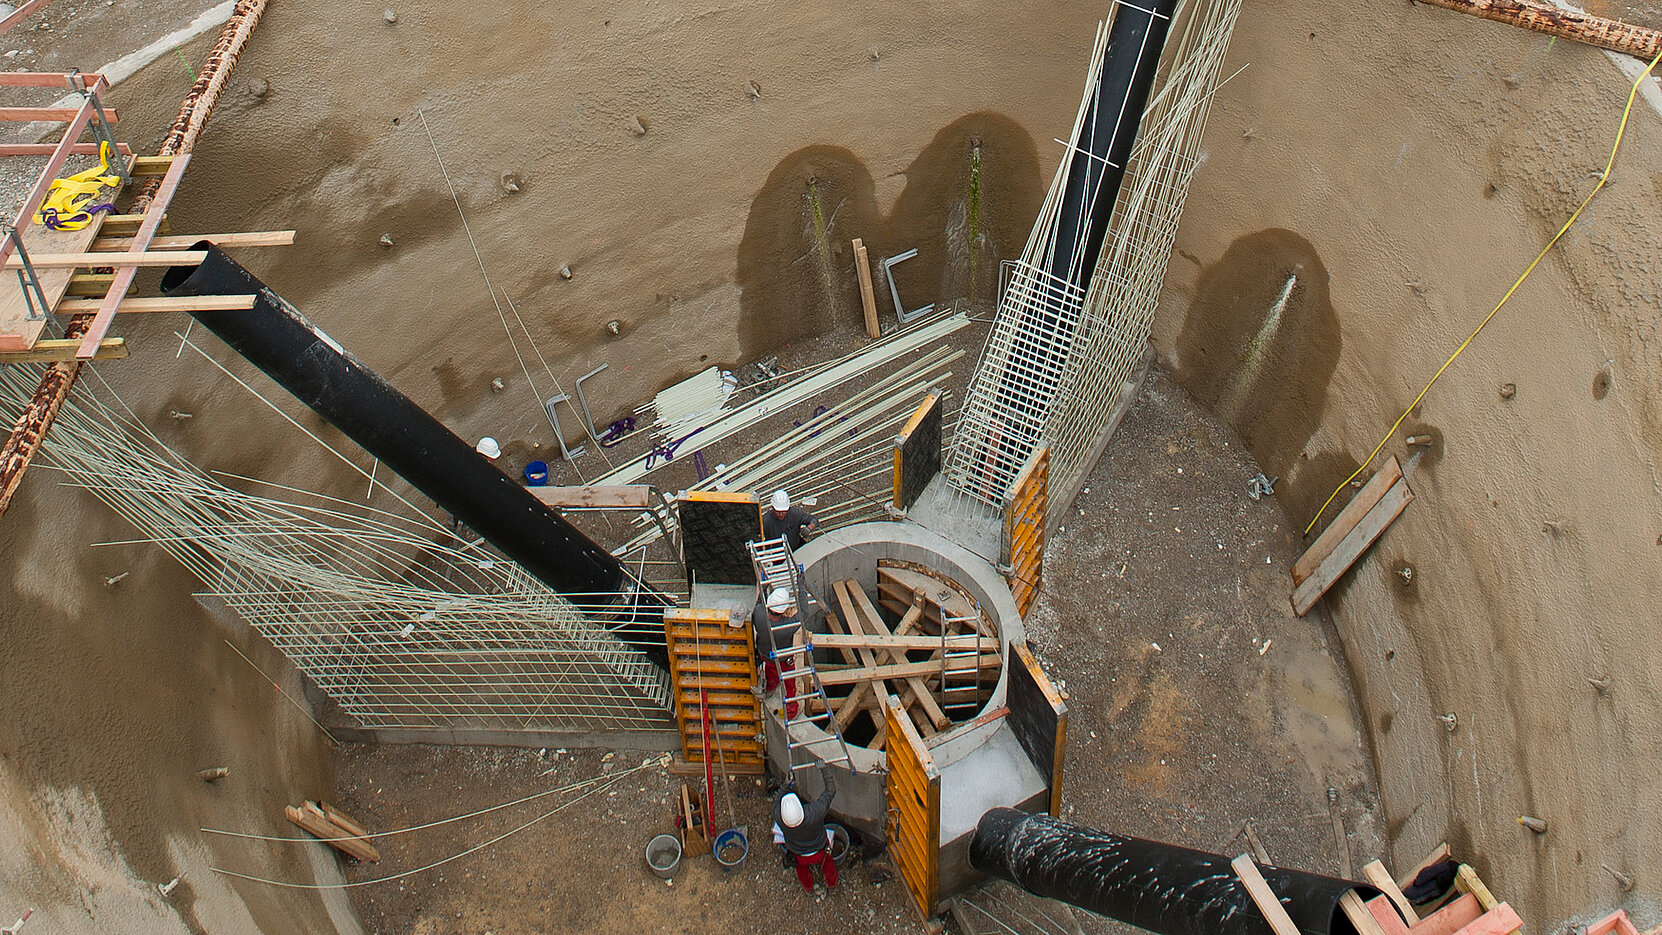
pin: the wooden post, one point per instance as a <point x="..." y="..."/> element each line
<point x="1274" y="913"/>
<point x="868" y="302"/>
<point x="1570" y="24"/>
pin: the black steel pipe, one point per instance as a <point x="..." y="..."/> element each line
<point x="278" y="339"/>
<point x="1136" y="38"/>
<point x="1159" y="887"/>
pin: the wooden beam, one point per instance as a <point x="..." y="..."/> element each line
<point x="1350" y="549"/>
<point x="186" y="241"/>
<point x="313" y="821"/>
<point x="1389" y="473"/>
<point x="1501" y="920"/>
<point x="868" y="302"/>
<point x="832" y="676"/>
<point x="1568" y="24"/>
<point x="1360" y="917"/>
<point x="22" y="12"/>
<point x="124" y="225"/>
<point x="180" y="303"/>
<point x="46" y="149"/>
<point x="116" y="259"/>
<point x="1466" y="881"/>
<point x="902" y="643"/>
<point x="622" y="497"/>
<point x="873" y="623"/>
<point x="150" y="166"/>
<point x="90" y="284"/>
<point x="53" y="350"/>
<point x="159" y="199"/>
<point x="1453" y="917"/>
<point x="52" y="114"/>
<point x="1374" y="872"/>
<point x="1262" y="896"/>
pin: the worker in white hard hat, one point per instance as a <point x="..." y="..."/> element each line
<point x="489" y="448"/>
<point x="800" y="827"/>
<point x="773" y="624"/>
<point x="788" y="520"/>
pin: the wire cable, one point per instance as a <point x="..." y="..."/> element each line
<point x="1604" y="178"/>
<point x="437" y="863"/>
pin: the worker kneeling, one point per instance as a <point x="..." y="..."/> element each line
<point x="801" y="829"/>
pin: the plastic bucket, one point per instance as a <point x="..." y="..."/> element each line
<point x="536" y="473"/>
<point x="731" y="848"/>
<point x="663" y="855"/>
<point x="841" y="845"/>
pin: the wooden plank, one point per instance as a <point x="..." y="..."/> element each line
<point x="1374" y="872"/>
<point x="113" y="258"/>
<point x="56" y="349"/>
<point x="904" y="643"/>
<point x="873" y="623"/>
<point x="341" y="820"/>
<point x="187" y="241"/>
<point x="1385" y="914"/>
<point x="868" y="302"/>
<point x="124" y="225"/>
<point x="1500" y="920"/>
<point x="833" y="676"/>
<point x="1361" y="918"/>
<point x="1466" y="881"/>
<point x="47" y="149"/>
<point x="624" y="497"/>
<point x="1440" y="852"/>
<point x="81" y="284"/>
<point x="877" y="693"/>
<point x="1451" y="918"/>
<point x="314" y="822"/>
<point x="52" y="114"/>
<point x="149" y="166"/>
<point x="1344" y="555"/>
<point x="1274" y="913"/>
<point x="159" y="200"/>
<point x="181" y="303"/>
<point x="1389" y="473"/>
<point x="1616" y="923"/>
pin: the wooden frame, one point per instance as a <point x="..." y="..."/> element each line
<point x="707" y="653"/>
<point x="1363" y="520"/>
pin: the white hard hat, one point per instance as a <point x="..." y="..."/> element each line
<point x="781" y="500"/>
<point x="790" y="810"/>
<point x="489" y="448"/>
<point x="780" y="600"/>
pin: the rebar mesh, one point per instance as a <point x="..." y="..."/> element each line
<point x="399" y="622"/>
<point x="1055" y="362"/>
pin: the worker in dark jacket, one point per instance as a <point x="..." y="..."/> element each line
<point x="803" y="827"/>
<point x="774" y="623"/>
<point x="792" y="522"/>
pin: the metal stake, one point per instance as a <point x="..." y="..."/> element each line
<point x="584" y="403"/>
<point x="554" y="420"/>
<point x="900" y="312"/>
<point x="27" y="280"/>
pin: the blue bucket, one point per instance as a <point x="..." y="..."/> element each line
<point x="536" y="473"/>
<point x="731" y="848"/>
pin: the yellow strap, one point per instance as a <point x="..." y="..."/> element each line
<point x="68" y="195"/>
<point x="1604" y="177"/>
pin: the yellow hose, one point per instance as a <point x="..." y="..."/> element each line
<point x="1603" y="178"/>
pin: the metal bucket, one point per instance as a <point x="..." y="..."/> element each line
<point x="731" y="848"/>
<point x="842" y="846"/>
<point x="663" y="855"/>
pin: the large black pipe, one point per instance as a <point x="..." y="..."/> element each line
<point x="1136" y="38"/>
<point x="278" y="339"/>
<point x="1159" y="887"/>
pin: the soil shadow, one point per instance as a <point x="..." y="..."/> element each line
<point x="970" y="198"/>
<point x="1258" y="348"/>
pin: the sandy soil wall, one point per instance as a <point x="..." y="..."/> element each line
<point x="1403" y="167"/>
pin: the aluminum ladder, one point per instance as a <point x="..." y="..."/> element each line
<point x="961" y="701"/>
<point x="776" y="567"/>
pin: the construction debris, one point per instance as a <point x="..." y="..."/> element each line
<point x="333" y="828"/>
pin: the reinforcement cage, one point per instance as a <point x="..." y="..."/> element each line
<point x="398" y="621"/>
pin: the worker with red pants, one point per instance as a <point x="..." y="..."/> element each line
<point x="806" y="839"/>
